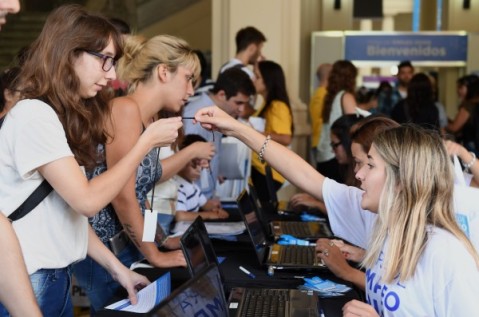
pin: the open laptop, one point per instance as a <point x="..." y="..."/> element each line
<point x="311" y="230"/>
<point x="197" y="248"/>
<point x="202" y="295"/>
<point x="248" y="301"/>
<point x="275" y="256"/>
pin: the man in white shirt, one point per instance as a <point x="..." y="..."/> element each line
<point x="249" y="43"/>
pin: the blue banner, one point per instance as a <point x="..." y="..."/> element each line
<point x="414" y="47"/>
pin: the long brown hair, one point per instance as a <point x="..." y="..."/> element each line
<point x="48" y="74"/>
<point x="342" y="77"/>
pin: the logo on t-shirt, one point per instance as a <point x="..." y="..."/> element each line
<point x="378" y="294"/>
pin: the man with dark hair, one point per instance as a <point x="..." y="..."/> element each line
<point x="249" y="43"/>
<point x="387" y="102"/>
<point x="231" y="93"/>
<point x="16" y="292"/>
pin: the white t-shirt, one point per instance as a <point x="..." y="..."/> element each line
<point x="234" y="61"/>
<point x="52" y="235"/>
<point x="325" y="151"/>
<point x="346" y="217"/>
<point x="446" y="282"/>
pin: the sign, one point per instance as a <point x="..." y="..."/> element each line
<point x="416" y="47"/>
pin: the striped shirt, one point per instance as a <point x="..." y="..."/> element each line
<point x="190" y="197"/>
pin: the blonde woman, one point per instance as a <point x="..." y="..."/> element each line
<point x="160" y="72"/>
<point x="419" y="262"/>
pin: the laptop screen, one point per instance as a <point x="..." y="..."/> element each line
<point x="200" y="296"/>
<point x="197" y="247"/>
<point x="193" y="251"/>
<point x="255" y="230"/>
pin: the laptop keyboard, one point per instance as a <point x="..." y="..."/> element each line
<point x="293" y="254"/>
<point x="265" y="302"/>
<point x="297" y="229"/>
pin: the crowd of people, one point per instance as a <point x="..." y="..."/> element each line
<point x="84" y="119"/>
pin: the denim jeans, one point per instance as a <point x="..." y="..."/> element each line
<point x="97" y="282"/>
<point x="52" y="290"/>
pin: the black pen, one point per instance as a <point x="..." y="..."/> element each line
<point x="188" y="118"/>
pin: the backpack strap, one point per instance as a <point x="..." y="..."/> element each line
<point x="40" y="193"/>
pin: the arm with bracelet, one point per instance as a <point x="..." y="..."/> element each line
<point x="468" y="159"/>
<point x="285" y="161"/>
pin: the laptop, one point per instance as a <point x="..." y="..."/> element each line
<point x="247" y="301"/>
<point x="198" y="249"/>
<point x="311" y="230"/>
<point x="275" y="256"/>
<point x="202" y="295"/>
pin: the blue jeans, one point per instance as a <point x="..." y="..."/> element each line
<point x="97" y="282"/>
<point x="52" y="290"/>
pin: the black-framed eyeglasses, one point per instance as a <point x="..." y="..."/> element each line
<point x="108" y="61"/>
<point x="335" y="145"/>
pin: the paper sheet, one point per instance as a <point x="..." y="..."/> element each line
<point x="216" y="228"/>
<point x="148" y="297"/>
<point x="230" y="167"/>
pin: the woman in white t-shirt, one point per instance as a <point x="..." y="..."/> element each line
<point x="51" y="134"/>
<point x="419" y="263"/>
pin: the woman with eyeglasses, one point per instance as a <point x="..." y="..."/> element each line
<point x="160" y="72"/>
<point x="51" y="134"/>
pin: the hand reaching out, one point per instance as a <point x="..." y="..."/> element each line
<point x="350" y="252"/>
<point x="163" y="132"/>
<point x="204" y="150"/>
<point x="132" y="282"/>
<point x="213" y="118"/>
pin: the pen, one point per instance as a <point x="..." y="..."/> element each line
<point x="247" y="272"/>
<point x="188" y="118"/>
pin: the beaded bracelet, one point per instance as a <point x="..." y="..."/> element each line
<point x="263" y="148"/>
<point x="473" y="160"/>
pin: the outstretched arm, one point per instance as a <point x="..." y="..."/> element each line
<point x="286" y="162"/>
<point x="16" y="292"/>
<point x="88" y="197"/>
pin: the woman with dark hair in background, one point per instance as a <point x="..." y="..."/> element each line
<point x="341" y="144"/>
<point x="270" y="83"/>
<point x="339" y="100"/>
<point x="419" y="106"/>
<point x="465" y="125"/>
